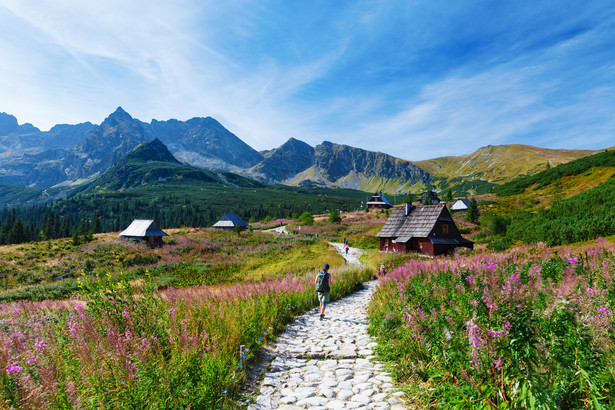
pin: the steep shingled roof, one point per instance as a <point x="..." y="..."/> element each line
<point x="393" y="223"/>
<point x="230" y="220"/>
<point x="417" y="224"/>
<point x="381" y="196"/>
<point x="143" y="227"/>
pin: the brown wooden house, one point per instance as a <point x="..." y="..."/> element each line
<point x="426" y="229"/>
<point x="378" y="201"/>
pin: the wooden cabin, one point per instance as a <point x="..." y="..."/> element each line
<point x="426" y="229"/>
<point x="430" y="197"/>
<point x="144" y="230"/>
<point x="378" y="201"/>
<point x="460" y="205"/>
<point x="229" y="221"/>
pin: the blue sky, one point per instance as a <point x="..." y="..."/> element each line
<point x="415" y="79"/>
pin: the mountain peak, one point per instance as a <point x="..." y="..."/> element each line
<point x="117" y="117"/>
<point x="153" y="150"/>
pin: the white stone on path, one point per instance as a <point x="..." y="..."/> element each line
<point x="328" y="364"/>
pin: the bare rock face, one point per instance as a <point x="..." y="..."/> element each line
<point x="69" y="153"/>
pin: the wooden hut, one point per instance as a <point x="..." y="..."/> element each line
<point x="378" y="201"/>
<point x="144" y="230"/>
<point x="426" y="229"/>
<point x="229" y="221"/>
<point x="429" y="198"/>
<point x="460" y="205"/>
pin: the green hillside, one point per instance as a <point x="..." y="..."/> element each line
<point x="476" y="173"/>
<point x="569" y="203"/>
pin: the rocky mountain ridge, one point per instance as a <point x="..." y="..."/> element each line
<point x="73" y="154"/>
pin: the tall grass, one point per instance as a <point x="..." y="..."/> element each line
<point x="176" y="348"/>
<point x="530" y="328"/>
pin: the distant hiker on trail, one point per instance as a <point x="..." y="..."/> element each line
<point x="347" y="249"/>
<point x="323" y="288"/>
<point x="382" y="270"/>
<point x="345" y="241"/>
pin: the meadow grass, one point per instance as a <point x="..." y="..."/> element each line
<point x="177" y="348"/>
<point x="527" y="328"/>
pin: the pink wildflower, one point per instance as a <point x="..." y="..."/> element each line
<point x="13" y="368"/>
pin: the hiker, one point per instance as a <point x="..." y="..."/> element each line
<point x="382" y="270"/>
<point x="347" y="249"/>
<point x="345" y="241"/>
<point x="323" y="288"/>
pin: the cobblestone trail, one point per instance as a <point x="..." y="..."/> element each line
<point x="328" y="364"/>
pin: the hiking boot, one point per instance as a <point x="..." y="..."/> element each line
<point x="322" y="316"/>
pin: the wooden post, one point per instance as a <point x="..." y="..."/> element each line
<point x="242" y="361"/>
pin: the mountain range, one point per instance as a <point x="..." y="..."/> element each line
<point x="70" y="155"/>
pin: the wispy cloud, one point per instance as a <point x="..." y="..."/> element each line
<point x="413" y="79"/>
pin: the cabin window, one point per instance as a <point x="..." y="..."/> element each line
<point x="445" y="228"/>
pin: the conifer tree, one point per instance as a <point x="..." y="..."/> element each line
<point x="472" y="213"/>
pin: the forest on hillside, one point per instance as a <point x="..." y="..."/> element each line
<point x="114" y="211"/>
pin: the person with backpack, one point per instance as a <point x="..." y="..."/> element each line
<point x="323" y="288"/>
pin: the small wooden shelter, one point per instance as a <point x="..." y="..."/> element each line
<point x="229" y="221"/>
<point x="426" y="229"/>
<point x="429" y="196"/>
<point x="460" y="205"/>
<point x="378" y="201"/>
<point x="144" y="230"/>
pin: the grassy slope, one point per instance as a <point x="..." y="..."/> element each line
<point x="499" y="164"/>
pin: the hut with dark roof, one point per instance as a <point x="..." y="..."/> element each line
<point x="229" y="221"/>
<point x="429" y="198"/>
<point x="378" y="201"/>
<point x="144" y="230"/>
<point x="460" y="205"/>
<point x="426" y="229"/>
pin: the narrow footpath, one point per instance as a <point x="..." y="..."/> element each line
<point x="328" y="364"/>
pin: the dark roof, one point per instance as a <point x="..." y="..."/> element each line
<point x="393" y="223"/>
<point x="376" y="202"/>
<point x="142" y="228"/>
<point x="460" y="204"/>
<point x="432" y="195"/>
<point x="419" y="222"/>
<point x="230" y="220"/>
<point x="450" y="241"/>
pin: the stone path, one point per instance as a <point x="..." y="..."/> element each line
<point x="328" y="364"/>
<point x="353" y="253"/>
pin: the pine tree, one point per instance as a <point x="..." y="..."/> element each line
<point x="96" y="224"/>
<point x="472" y="213"/>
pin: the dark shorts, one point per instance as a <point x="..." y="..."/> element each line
<point x="323" y="297"/>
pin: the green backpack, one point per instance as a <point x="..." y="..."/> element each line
<point x="322" y="284"/>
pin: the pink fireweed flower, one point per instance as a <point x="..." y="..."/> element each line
<point x="573" y="260"/>
<point x="13" y="368"/>
<point x="30" y="360"/>
<point x="39" y="344"/>
<point x="80" y="311"/>
<point x="125" y="313"/>
<point x="474" y="302"/>
<point x="515" y="278"/>
<point x="498" y="364"/>
<point x="604" y="310"/>
<point x="470" y="279"/>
